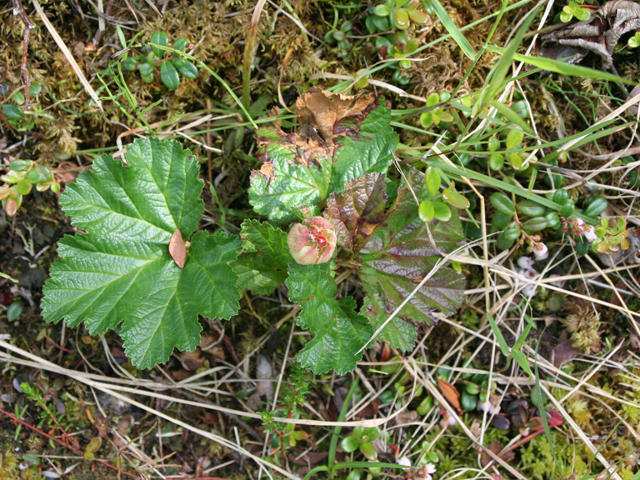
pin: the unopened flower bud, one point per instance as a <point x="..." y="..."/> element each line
<point x="312" y="241"/>
<point x="540" y="251"/>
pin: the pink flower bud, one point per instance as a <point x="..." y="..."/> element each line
<point x="312" y="241"/>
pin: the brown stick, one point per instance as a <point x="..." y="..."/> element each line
<point x="98" y="35"/>
<point x="18" y="9"/>
<point x="77" y="451"/>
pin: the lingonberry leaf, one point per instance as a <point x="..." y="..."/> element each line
<point x="121" y="270"/>
<point x="340" y="138"/>
<point x="338" y="331"/>
<point x="398" y="255"/>
<point x="355" y="213"/>
<point x="262" y="264"/>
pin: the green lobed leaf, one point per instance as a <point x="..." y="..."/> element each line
<point x="398" y="256"/>
<point x="303" y="168"/>
<point x="338" y="331"/>
<point x="122" y="270"/>
<point x="357" y="211"/>
<point x="262" y="263"/>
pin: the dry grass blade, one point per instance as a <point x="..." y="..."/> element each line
<point x="68" y="55"/>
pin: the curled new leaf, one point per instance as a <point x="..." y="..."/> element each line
<point x="312" y="241"/>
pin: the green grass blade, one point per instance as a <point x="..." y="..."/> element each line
<point x="496" y="331"/>
<point x="455" y="33"/>
<point x="512" y="116"/>
<point x="497" y="75"/>
<point x="564" y="68"/>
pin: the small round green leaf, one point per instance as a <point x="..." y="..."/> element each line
<point x="12" y="112"/>
<point x="382" y="10"/>
<point x="472" y="389"/>
<point x="507" y="237"/>
<point x="502" y="203"/>
<point x="130" y="64"/>
<point x="169" y="75"/>
<point x="400" y="18"/>
<point x="19" y="165"/>
<point x="501" y="220"/>
<point x="33" y="176"/>
<point x="516" y="161"/>
<point x="14" y="311"/>
<point x="23" y="187"/>
<point x="55" y="187"/>
<point x="369" y="451"/>
<point x="350" y="444"/>
<point x="432" y="179"/>
<point x="531" y="208"/>
<point x="18" y="97"/>
<point x="567" y="209"/>
<point x="553" y="220"/>
<point x="188" y="70"/>
<point x="494" y="144"/>
<point x="441" y="211"/>
<point x="535" y="225"/>
<point x="596" y="207"/>
<point x="45" y="173"/>
<point x="418" y="16"/>
<point x="496" y="161"/>
<point x="146" y="69"/>
<point x="180" y="43"/>
<point x="455" y="199"/>
<point x="468" y="401"/>
<point x="514" y="138"/>
<point x="426" y="211"/>
<point x="159" y="38"/>
<point x="561" y="196"/>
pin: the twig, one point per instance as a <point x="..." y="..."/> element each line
<point x="18" y="9"/>
<point x="77" y="451"/>
<point x="101" y="30"/>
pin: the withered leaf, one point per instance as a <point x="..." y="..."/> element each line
<point x="496" y="448"/>
<point x="600" y="34"/>
<point x="178" y="249"/>
<point x="321" y="110"/>
<point x="451" y="393"/>
<point x="564" y="352"/>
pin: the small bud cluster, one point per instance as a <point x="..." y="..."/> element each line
<point x="535" y="245"/>
<point x="577" y="226"/>
<point x="312" y="241"/>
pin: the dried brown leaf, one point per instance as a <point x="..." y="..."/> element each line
<point x="600" y="34"/>
<point x="451" y="393"/>
<point x="320" y="111"/>
<point x="178" y="249"/>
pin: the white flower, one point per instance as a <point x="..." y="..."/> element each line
<point x="525" y="262"/>
<point x="540" y="251"/>
<point x="580" y="222"/>
<point x="484" y="406"/>
<point x="590" y="233"/>
<point x="530" y="290"/>
<point x="425" y="472"/>
<point x="404" y="461"/>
